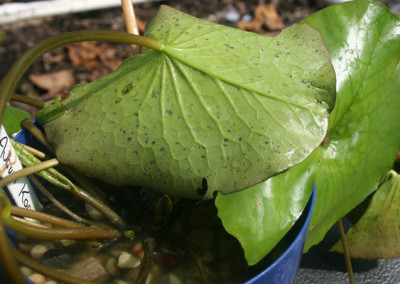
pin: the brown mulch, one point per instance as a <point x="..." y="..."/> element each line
<point x="57" y="70"/>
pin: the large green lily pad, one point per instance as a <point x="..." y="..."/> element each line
<point x="216" y="109"/>
<point x="363" y="137"/>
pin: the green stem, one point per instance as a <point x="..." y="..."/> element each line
<point x="85" y="233"/>
<point x="28" y="171"/>
<point x="56" y="178"/>
<point x="13" y="76"/>
<point x="43" y="217"/>
<point x="58" y="204"/>
<point x="27" y="100"/>
<point x="346" y="251"/>
<point x="9" y="263"/>
<point x="45" y="270"/>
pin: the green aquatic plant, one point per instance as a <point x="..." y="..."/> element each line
<point x="211" y="109"/>
<point x="208" y="110"/>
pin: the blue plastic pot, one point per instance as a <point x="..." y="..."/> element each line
<point x="282" y="270"/>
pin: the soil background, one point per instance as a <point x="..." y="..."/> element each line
<point x="59" y="69"/>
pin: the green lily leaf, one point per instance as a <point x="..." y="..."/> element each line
<point x="12" y="119"/>
<point x="216" y="109"/>
<point x="377" y="234"/>
<point x="363" y="138"/>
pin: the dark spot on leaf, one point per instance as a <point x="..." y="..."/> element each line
<point x="154" y="94"/>
<point x="129" y="139"/>
<point x="225" y="140"/>
<point x="168" y="111"/>
<point x="162" y="149"/>
<point x="153" y="142"/>
<point x="229" y="46"/>
<point x="240" y="139"/>
<point x="203" y="156"/>
<point x="117" y="101"/>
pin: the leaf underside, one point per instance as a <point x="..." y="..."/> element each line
<point x="363" y="138"/>
<point x="218" y="109"/>
<point x="377" y="234"/>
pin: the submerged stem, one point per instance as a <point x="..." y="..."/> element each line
<point x="13" y="76"/>
<point x="58" y="204"/>
<point x="9" y="263"/>
<point x="45" y="270"/>
<point x="58" y="179"/>
<point x="84" y="233"/>
<point x="57" y="221"/>
<point x="149" y="248"/>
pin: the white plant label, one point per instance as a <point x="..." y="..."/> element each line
<point x="21" y="190"/>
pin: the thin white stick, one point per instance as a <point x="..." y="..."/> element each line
<point x="12" y="12"/>
<point x="130" y="22"/>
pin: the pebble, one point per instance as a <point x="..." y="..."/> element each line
<point x="132" y="274"/>
<point x="89" y="269"/>
<point x="116" y="252"/>
<point x="111" y="266"/>
<point x="232" y="15"/>
<point x="247" y="18"/>
<point x="56" y="258"/>
<point x="170" y="278"/>
<point x="26" y="270"/>
<point x="37" y="278"/>
<point x="37" y="251"/>
<point x="67" y="243"/>
<point x="138" y="250"/>
<point x="128" y="261"/>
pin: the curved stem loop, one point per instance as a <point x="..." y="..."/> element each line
<point x="13" y="76"/>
